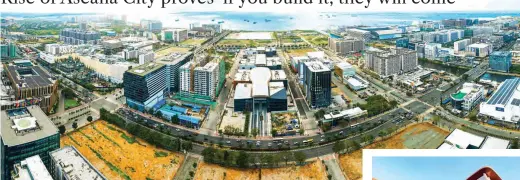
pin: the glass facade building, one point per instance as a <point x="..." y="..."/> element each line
<point x="500" y="61"/>
<point x="317" y="84"/>
<point x="145" y="86"/>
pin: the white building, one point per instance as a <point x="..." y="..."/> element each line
<point x="459" y="139"/>
<point x="59" y="49"/>
<point x="504" y="105"/>
<point x="146" y="57"/>
<point x="480" y="50"/>
<point x="130" y="54"/>
<point x="431" y="50"/>
<point x="175" y="35"/>
<point x="387" y="63"/>
<point x="32" y="168"/>
<point x="206" y="80"/>
<point x="186" y="77"/>
<point x="461" y="45"/>
<point x="68" y="163"/>
<point x="470" y="95"/>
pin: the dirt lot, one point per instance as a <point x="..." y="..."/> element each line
<point x="119" y="155"/>
<point x="417" y="136"/>
<point x="215" y="172"/>
<point x="281" y="120"/>
<point x="314" y="170"/>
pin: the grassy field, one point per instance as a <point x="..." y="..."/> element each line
<point x="70" y="103"/>
<point x="242" y="42"/>
<point x="417" y="136"/>
<point x="193" y="42"/>
<point x="317" y="39"/>
<point x="119" y="155"/>
<point x="169" y="50"/>
<point x="315" y="170"/>
<point x="300" y="52"/>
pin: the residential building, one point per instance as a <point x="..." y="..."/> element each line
<point x="387" y="63"/>
<point x="83" y="26"/>
<point x="31" y="168"/>
<point x="173" y="63"/>
<point x="130" y="54"/>
<point x="8" y="50"/>
<point x="480" y="50"/>
<point x="194" y="25"/>
<point x="317" y="80"/>
<point x="32" y="85"/>
<point x="469" y="96"/>
<point x="461" y="45"/>
<point x="206" y="80"/>
<point x="504" y="105"/>
<point x="77" y="37"/>
<point x="174" y="35"/>
<point x="145" y="86"/>
<point x="186" y="77"/>
<point x="201" y="32"/>
<point x="363" y="35"/>
<point x="500" y="61"/>
<point x="346" y="46"/>
<point x="26" y="132"/>
<point x="496" y="41"/>
<point x="68" y="163"/>
<point x="58" y="49"/>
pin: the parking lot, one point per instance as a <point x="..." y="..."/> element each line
<point x="417" y="107"/>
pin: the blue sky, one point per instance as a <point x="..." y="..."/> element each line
<point x="435" y="168"/>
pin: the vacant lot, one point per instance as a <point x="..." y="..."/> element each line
<point x="207" y="171"/>
<point x="119" y="155"/>
<point x="194" y="42"/>
<point x="417" y="136"/>
<point x="317" y="39"/>
<point x="300" y="52"/>
<point x="314" y="170"/>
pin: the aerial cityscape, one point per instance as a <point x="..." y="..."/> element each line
<point x="231" y="95"/>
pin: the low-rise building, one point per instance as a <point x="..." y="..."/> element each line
<point x="468" y="97"/>
<point x="504" y="105"/>
<point x="459" y="139"/>
<point x="32" y="168"/>
<point x="480" y="50"/>
<point x="68" y="163"/>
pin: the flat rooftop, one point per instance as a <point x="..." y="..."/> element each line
<point x="23" y="125"/>
<point x="146" y="68"/>
<point x="76" y="166"/>
<point x="278" y="75"/>
<point x="317" y="66"/>
<point x="494" y="143"/>
<point x="479" y="45"/>
<point x="174" y="58"/>
<point x="501" y="53"/>
<point x="29" y="76"/>
<point x="463" y="140"/>
<point x="243" y="91"/>
<point x="209" y="67"/>
<point x="32" y="167"/>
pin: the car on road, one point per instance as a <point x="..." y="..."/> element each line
<point x="257" y="143"/>
<point x="228" y="142"/>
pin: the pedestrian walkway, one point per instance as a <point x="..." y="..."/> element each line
<point x="333" y="167"/>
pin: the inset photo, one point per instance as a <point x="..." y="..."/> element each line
<point x="386" y="164"/>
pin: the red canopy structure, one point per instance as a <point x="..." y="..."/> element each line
<point x="485" y="171"/>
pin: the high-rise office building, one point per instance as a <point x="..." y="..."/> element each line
<point x="346" y="46"/>
<point x="154" y="26"/>
<point x="317" y="84"/>
<point x="500" y="61"/>
<point x="8" y="50"/>
<point x="26" y="132"/>
<point x="206" y="80"/>
<point x="387" y="63"/>
<point x="145" y="86"/>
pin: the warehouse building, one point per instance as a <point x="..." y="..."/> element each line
<point x="504" y="105"/>
<point x="459" y="139"/>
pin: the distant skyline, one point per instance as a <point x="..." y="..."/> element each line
<point x="435" y="168"/>
<point x="374" y="6"/>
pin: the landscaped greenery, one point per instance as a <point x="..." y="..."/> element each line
<point x="377" y="104"/>
<point x="71" y="103"/>
<point x="515" y="68"/>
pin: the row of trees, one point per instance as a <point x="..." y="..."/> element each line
<point x="160" y="137"/>
<point x="347" y="146"/>
<point x="242" y="159"/>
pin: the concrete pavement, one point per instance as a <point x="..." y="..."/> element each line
<point x="333" y="167"/>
